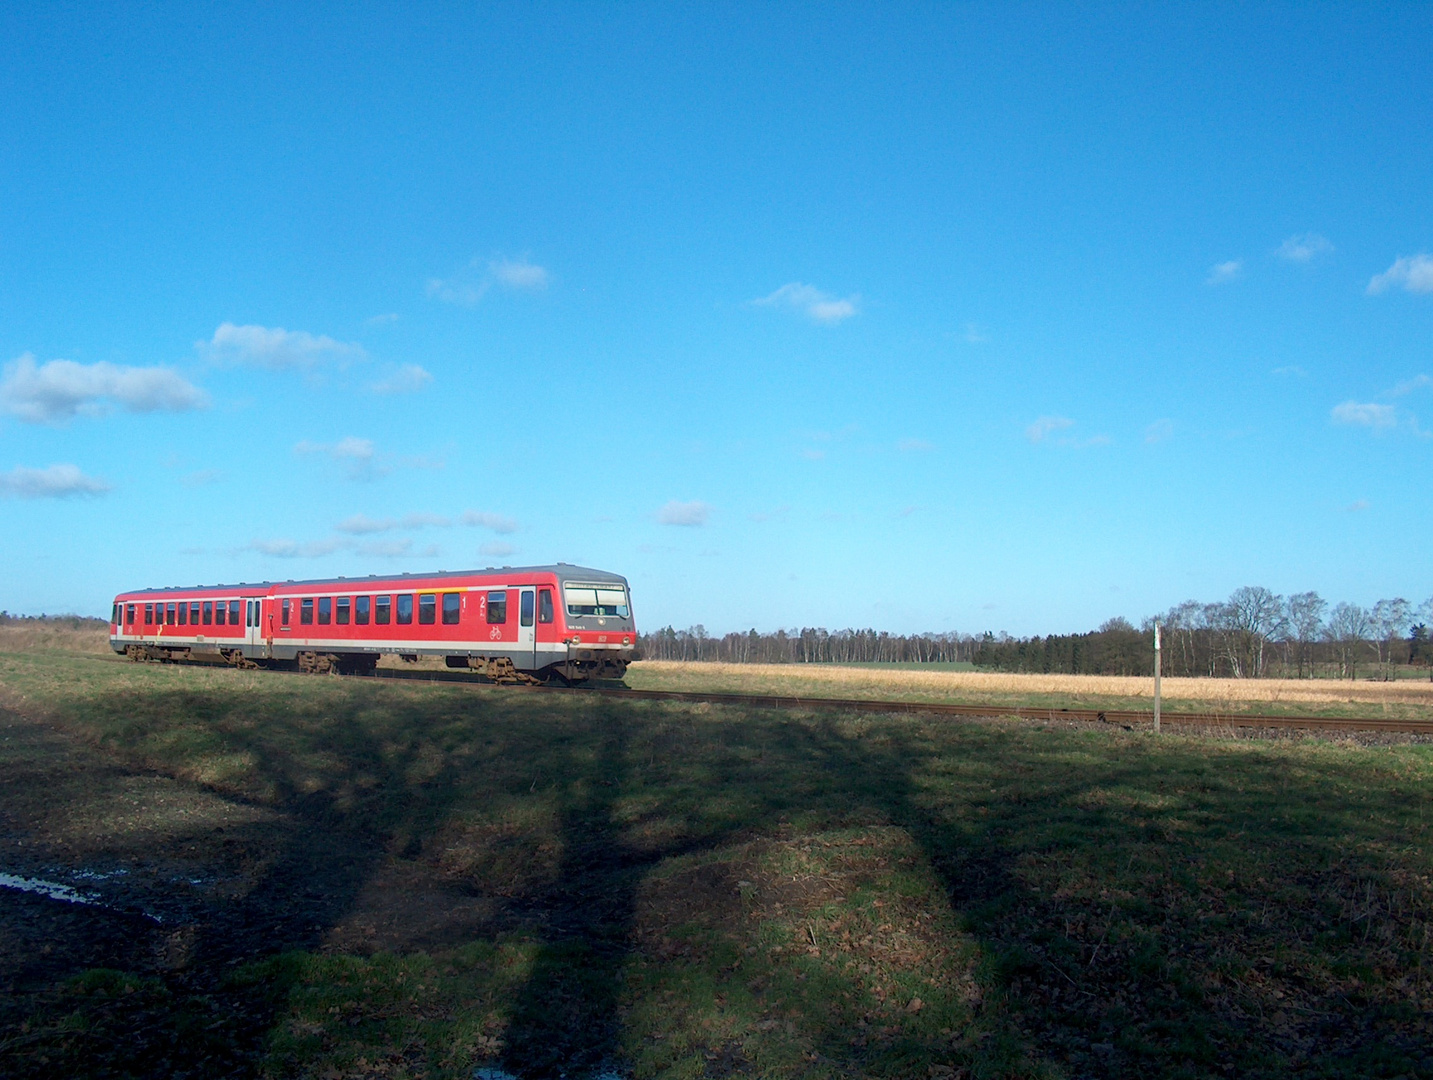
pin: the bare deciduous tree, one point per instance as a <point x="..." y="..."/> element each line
<point x="1390" y="619"/>
<point x="1304" y="618"/>
<point x="1348" y="629"/>
<point x="1252" y="616"/>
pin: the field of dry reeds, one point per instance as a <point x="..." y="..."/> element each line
<point x="1323" y="696"/>
<point x="54" y="635"/>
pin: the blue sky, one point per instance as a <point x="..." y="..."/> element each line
<point x="921" y="317"/>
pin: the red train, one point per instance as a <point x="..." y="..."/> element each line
<point x="562" y="622"/>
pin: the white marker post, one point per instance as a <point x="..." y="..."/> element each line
<point x="1156" y="678"/>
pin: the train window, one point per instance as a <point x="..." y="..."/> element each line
<point x="148" y="614"/>
<point x="427" y="608"/>
<point x="183" y="612"/>
<point x="194" y="613"/>
<point x="360" y="610"/>
<point x="342" y="612"/>
<point x="129" y="614"/>
<point x="524" y="608"/>
<point x="325" y="610"/>
<point x="233" y="613"/>
<point x="405" y="608"/>
<point x="169" y="614"/>
<point x="114" y="614"/>
<point x="208" y="612"/>
<point x="219" y="606"/>
<point x="284" y="612"/>
<point x="544" y="605"/>
<point x="306" y="610"/>
<point x="498" y="606"/>
<point x="596" y="600"/>
<point x="452" y="608"/>
<point x="382" y="609"/>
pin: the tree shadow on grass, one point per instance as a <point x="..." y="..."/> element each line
<point x="1156" y="910"/>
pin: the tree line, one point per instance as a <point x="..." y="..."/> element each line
<point x="1253" y="634"/>
<point x="810" y="645"/>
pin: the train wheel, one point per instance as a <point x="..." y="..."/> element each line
<point x="317" y="663"/>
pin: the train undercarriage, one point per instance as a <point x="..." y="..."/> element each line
<point x="573" y="671"/>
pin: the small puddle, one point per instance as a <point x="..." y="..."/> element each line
<point x="53" y="889"/>
<point x="56" y="890"/>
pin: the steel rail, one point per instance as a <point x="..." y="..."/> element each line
<point x="1124" y="717"/>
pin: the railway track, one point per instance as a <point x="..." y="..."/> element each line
<point x="1131" y="718"/>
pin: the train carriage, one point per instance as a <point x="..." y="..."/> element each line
<point x="559" y="622"/>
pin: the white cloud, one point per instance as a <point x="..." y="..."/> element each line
<point x="1290" y="369"/>
<point x="408" y="379"/>
<point x="813" y="455"/>
<point x="1418" y="382"/>
<point x="975" y="335"/>
<point x="1356" y="506"/>
<point x="483" y="520"/>
<point x="1225" y="272"/>
<point x="1365" y="414"/>
<point x="292" y="549"/>
<point x="381" y="320"/>
<point x="1159" y="431"/>
<point x="55" y="392"/>
<point x="819" y="306"/>
<point x="915" y="446"/>
<point x="1047" y="425"/>
<point x="457" y="290"/>
<point x="423" y="521"/>
<point x="471" y="284"/>
<point x="518" y="274"/>
<point x="496" y="549"/>
<point x="691" y="514"/>
<point x="51" y="482"/>
<point x="275" y="348"/>
<point x="397" y="549"/>
<point x="1304" y="247"/>
<point x="202" y="478"/>
<point x="1413" y="272"/>
<point x="360" y="525"/>
<point x="358" y="456"/>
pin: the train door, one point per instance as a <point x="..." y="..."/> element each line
<point x="253" y="632"/>
<point x="527" y="628"/>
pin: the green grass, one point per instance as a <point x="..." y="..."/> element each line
<point x="554" y="882"/>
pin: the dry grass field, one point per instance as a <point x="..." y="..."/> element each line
<point x="55" y="636"/>
<point x="1322" y="696"/>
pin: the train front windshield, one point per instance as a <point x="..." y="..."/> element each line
<point x="607" y="600"/>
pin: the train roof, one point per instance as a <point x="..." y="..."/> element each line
<point x="565" y="571"/>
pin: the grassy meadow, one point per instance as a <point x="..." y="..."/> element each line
<point x="1403" y="699"/>
<point x="356" y="878"/>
